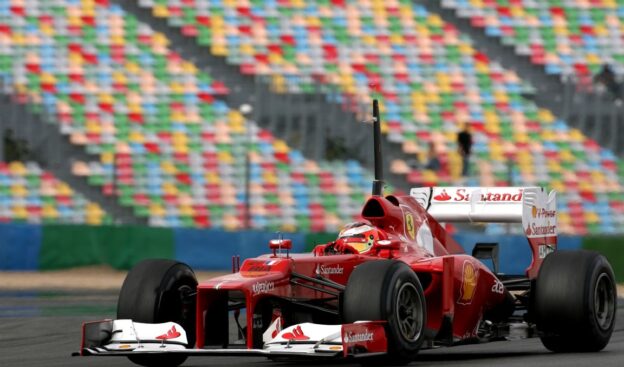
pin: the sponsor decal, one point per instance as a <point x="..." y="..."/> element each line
<point x="331" y="270"/>
<point x="534" y="229"/>
<point x="542" y="212"/>
<point x="125" y="346"/>
<point x="498" y="287"/>
<point x="464" y="195"/>
<point x="296" y="334"/>
<point x="470" y="276"/>
<point x="544" y="250"/>
<point x="410" y="231"/>
<point x="443" y="196"/>
<point x="171" y="334"/>
<point x="262" y="287"/>
<point x="257" y="266"/>
<point x="364" y="336"/>
<point x="335" y="347"/>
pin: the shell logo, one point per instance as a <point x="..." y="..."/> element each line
<point x="534" y="211"/>
<point x="470" y="276"/>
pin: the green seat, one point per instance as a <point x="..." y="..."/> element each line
<point x="141" y="211"/>
<point x="97" y="180"/>
<point x="204" y="36"/>
<point x="303" y="223"/>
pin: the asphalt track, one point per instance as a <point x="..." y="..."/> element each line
<point x="42" y="329"/>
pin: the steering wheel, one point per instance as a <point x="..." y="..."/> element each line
<point x="330" y="249"/>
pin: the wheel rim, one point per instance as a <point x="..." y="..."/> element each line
<point x="186" y="303"/>
<point x="604" y="301"/>
<point x="408" y="311"/>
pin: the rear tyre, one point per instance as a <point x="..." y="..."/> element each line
<point x="575" y="301"/>
<point x="388" y="290"/>
<point x="156" y="291"/>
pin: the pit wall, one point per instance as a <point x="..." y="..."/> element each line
<point x="50" y="247"/>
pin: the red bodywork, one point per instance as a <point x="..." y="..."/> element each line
<point x="457" y="287"/>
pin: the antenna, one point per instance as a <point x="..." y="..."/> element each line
<point x="378" y="182"/>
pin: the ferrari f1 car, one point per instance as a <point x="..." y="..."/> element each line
<point x="388" y="287"/>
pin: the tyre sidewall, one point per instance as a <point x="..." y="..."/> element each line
<point x="150" y="294"/>
<point x="372" y="293"/>
<point x="565" y="301"/>
<point x="601" y="336"/>
<point x="397" y="344"/>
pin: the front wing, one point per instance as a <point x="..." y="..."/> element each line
<point x="125" y="338"/>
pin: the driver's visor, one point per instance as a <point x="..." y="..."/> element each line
<point x="358" y="242"/>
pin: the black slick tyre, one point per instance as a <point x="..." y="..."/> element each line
<point x="575" y="301"/>
<point x="388" y="290"/>
<point x="157" y="291"/>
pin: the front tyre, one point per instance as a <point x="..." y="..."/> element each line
<point x="157" y="291"/>
<point x="388" y="290"/>
<point x="575" y="301"/>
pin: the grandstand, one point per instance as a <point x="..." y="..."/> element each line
<point x="166" y="146"/>
<point x="165" y="142"/>
<point x="567" y="38"/>
<point x="30" y="194"/>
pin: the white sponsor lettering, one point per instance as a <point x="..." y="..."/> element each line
<point x="262" y="287"/>
<point x="544" y="250"/>
<point x="331" y="270"/>
<point x="498" y="287"/>
<point x="358" y="337"/>
<point x="537" y="230"/>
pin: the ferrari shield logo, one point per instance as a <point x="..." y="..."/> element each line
<point x="410" y="229"/>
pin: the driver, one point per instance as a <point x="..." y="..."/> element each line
<point x="359" y="235"/>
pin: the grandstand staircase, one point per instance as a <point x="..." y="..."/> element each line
<point x="303" y="120"/>
<point x="51" y="150"/>
<point x="596" y="116"/>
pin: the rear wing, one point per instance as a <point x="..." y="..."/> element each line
<point x="534" y="207"/>
<point x="490" y="205"/>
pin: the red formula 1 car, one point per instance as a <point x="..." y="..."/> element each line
<point x="387" y="287"/>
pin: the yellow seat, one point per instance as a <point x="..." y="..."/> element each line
<point x="160" y="11"/>
<point x="286" y="227"/>
<point x="545" y="115"/>
<point x="107" y="157"/>
<point x="136" y="137"/>
<point x="63" y="189"/>
<point x="168" y="167"/>
<point x="17" y="168"/>
<point x="49" y="211"/>
<point x="591" y="217"/>
<point x="269" y="177"/>
<point x="557" y="185"/>
<point x="19" y="212"/>
<point x="179" y="138"/>
<point x="169" y="188"/>
<point x="181" y="148"/>
<point x="186" y="210"/>
<point x="218" y="50"/>
<point x="156" y="209"/>
<point x="212" y="177"/>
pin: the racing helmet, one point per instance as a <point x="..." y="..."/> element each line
<point x="359" y="235"/>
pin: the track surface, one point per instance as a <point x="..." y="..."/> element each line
<point x="42" y="329"/>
